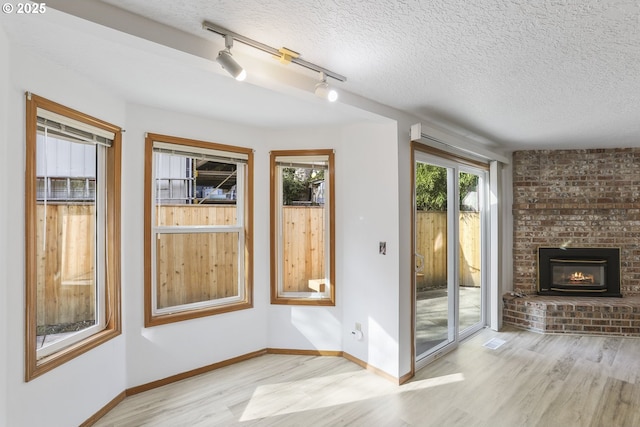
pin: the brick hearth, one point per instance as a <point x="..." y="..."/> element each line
<point x="576" y="198"/>
<point x="577" y="315"/>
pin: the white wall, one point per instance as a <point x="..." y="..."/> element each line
<point x="303" y="327"/>
<point x="161" y="351"/>
<point x="73" y="392"/>
<point x="366" y="282"/>
<point x="369" y="215"/>
<point x="4" y="222"/>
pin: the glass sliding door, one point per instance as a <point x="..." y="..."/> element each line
<point x="449" y="252"/>
<point x="471" y="254"/>
<point x="435" y="273"/>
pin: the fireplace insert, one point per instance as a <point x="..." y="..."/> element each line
<point x="579" y="272"/>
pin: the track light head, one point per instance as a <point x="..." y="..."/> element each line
<point x="225" y="59"/>
<point x="323" y="90"/>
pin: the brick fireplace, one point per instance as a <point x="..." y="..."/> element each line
<point x="576" y="199"/>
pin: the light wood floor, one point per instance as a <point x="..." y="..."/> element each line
<point x="531" y="380"/>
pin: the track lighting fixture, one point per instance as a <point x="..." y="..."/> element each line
<point x="323" y="90"/>
<point x="286" y="56"/>
<point x="225" y="59"/>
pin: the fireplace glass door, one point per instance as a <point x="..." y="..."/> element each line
<point x="578" y="273"/>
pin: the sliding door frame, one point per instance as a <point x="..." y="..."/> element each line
<point x="459" y="164"/>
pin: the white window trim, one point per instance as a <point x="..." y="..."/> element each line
<point x="322" y="163"/>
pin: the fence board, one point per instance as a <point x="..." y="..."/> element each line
<point x="431" y="242"/>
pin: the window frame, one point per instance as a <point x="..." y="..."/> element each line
<point x="108" y="245"/>
<point x="277" y="295"/>
<point x="155" y="317"/>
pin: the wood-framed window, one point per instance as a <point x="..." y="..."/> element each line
<point x="72" y="234"/>
<point x="302" y="227"/>
<point x="198" y="229"/>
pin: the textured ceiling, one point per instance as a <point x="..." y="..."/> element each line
<point x="521" y="73"/>
<point x="515" y="71"/>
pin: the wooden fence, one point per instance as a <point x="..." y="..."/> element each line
<point x="66" y="264"/>
<point x="431" y="243"/>
<point x="194" y="267"/>
<point x="303" y="245"/>
<point x="198" y="267"/>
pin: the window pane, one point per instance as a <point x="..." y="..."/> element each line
<point x="196" y="267"/>
<point x="303" y="249"/>
<point x="302" y="186"/>
<point x="65" y="239"/>
<point x="199" y="220"/>
<point x="182" y="180"/>
<point x="303" y="229"/>
<point x="470" y="228"/>
<point x="301" y="220"/>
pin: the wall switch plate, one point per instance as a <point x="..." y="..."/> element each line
<point x="382" y="248"/>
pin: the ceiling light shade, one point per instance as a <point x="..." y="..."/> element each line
<point x="225" y="59"/>
<point x="323" y="90"/>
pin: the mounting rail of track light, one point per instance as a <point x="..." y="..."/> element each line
<point x="285" y="55"/>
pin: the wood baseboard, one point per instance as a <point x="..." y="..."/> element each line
<point x="406" y="377"/>
<point x="106" y="408"/>
<point x="304" y="352"/>
<point x="377" y="371"/>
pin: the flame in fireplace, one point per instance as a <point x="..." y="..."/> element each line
<point x="580" y="277"/>
<point x="577" y="276"/>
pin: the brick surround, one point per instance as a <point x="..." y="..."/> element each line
<point x="577" y="198"/>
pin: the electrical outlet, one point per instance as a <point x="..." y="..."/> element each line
<point x="358" y="327"/>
